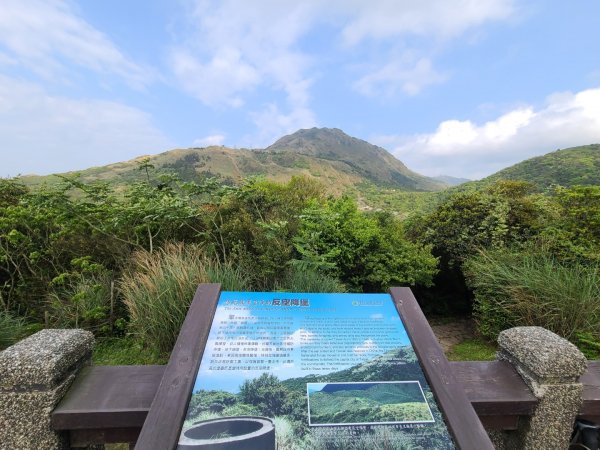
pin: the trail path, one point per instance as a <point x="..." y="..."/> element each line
<point x="454" y="332"/>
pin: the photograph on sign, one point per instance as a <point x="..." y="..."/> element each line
<point x="371" y="403"/>
<point x="294" y="371"/>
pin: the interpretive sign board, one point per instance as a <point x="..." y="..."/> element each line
<point x="295" y="371"/>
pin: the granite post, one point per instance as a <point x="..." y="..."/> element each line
<point x="551" y="367"/>
<point x="35" y="374"/>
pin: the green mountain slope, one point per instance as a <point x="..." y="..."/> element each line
<point x="568" y="167"/>
<point x="337" y="160"/>
<point x="399" y="364"/>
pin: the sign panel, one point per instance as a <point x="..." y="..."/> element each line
<point x="295" y="371"/>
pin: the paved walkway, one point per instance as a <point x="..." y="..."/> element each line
<point x="452" y="333"/>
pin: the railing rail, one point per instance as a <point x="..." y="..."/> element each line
<point x="109" y="404"/>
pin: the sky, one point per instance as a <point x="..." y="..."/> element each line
<point x="461" y="88"/>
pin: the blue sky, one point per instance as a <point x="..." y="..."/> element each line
<point x="461" y="88"/>
<point x="361" y="343"/>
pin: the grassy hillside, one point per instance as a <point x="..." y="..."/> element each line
<point x="384" y="367"/>
<point x="568" y="167"/>
<point x="377" y="403"/>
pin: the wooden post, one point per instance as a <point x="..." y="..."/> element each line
<point x="461" y="418"/>
<point x="163" y="424"/>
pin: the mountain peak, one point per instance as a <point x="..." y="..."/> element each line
<point x="322" y="142"/>
<point x="367" y="160"/>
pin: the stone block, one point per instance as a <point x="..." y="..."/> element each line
<point x="35" y="374"/>
<point x="545" y="355"/>
<point x="43" y="359"/>
<point x="551" y="367"/>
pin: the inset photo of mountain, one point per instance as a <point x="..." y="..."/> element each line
<point x="368" y="403"/>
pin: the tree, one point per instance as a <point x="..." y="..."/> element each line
<point x="266" y="393"/>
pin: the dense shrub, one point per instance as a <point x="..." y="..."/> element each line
<point x="253" y="226"/>
<point x="504" y="214"/>
<point x="366" y="252"/>
<point x="516" y="289"/>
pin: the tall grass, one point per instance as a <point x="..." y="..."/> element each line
<point x="158" y="289"/>
<point x="11" y="329"/>
<point x="534" y="289"/>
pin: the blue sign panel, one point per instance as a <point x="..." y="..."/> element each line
<point x="293" y="371"/>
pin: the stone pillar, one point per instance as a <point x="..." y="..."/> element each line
<point x="34" y="376"/>
<point x="551" y="367"/>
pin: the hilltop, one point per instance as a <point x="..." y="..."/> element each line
<point x="339" y="161"/>
<point x="568" y="167"/>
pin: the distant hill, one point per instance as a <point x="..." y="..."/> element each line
<point x="398" y="364"/>
<point x="568" y="167"/>
<point x="451" y="181"/>
<point x="339" y="161"/>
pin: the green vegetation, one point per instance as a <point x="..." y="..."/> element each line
<point x="78" y="255"/>
<point x="568" y="167"/>
<point x="158" y="288"/>
<point x="398" y="201"/>
<point x="129" y="241"/>
<point x="125" y="350"/>
<point x="367" y="252"/>
<point x="516" y="289"/>
<point x="524" y="258"/>
<point x="356" y="403"/>
<point x="11" y="329"/>
<point x="473" y="350"/>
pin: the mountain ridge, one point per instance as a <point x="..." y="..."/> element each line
<point x="339" y="161"/>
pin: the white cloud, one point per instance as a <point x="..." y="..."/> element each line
<point x="299" y="338"/>
<point x="408" y="77"/>
<point x="41" y="133"/>
<point x="207" y="141"/>
<point x="236" y="48"/>
<point x="43" y="35"/>
<point x="368" y="346"/>
<point x="388" y="19"/>
<point x="412" y="70"/>
<point x="220" y="80"/>
<point x="464" y="148"/>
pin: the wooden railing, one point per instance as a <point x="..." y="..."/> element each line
<point x="108" y="404"/>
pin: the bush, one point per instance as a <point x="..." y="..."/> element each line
<point x="305" y="279"/>
<point x="82" y="298"/>
<point x="367" y="252"/>
<point x="517" y="289"/>
<point x="159" y="287"/>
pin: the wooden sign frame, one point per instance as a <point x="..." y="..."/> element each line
<point x="163" y="424"/>
<point x="462" y="421"/>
